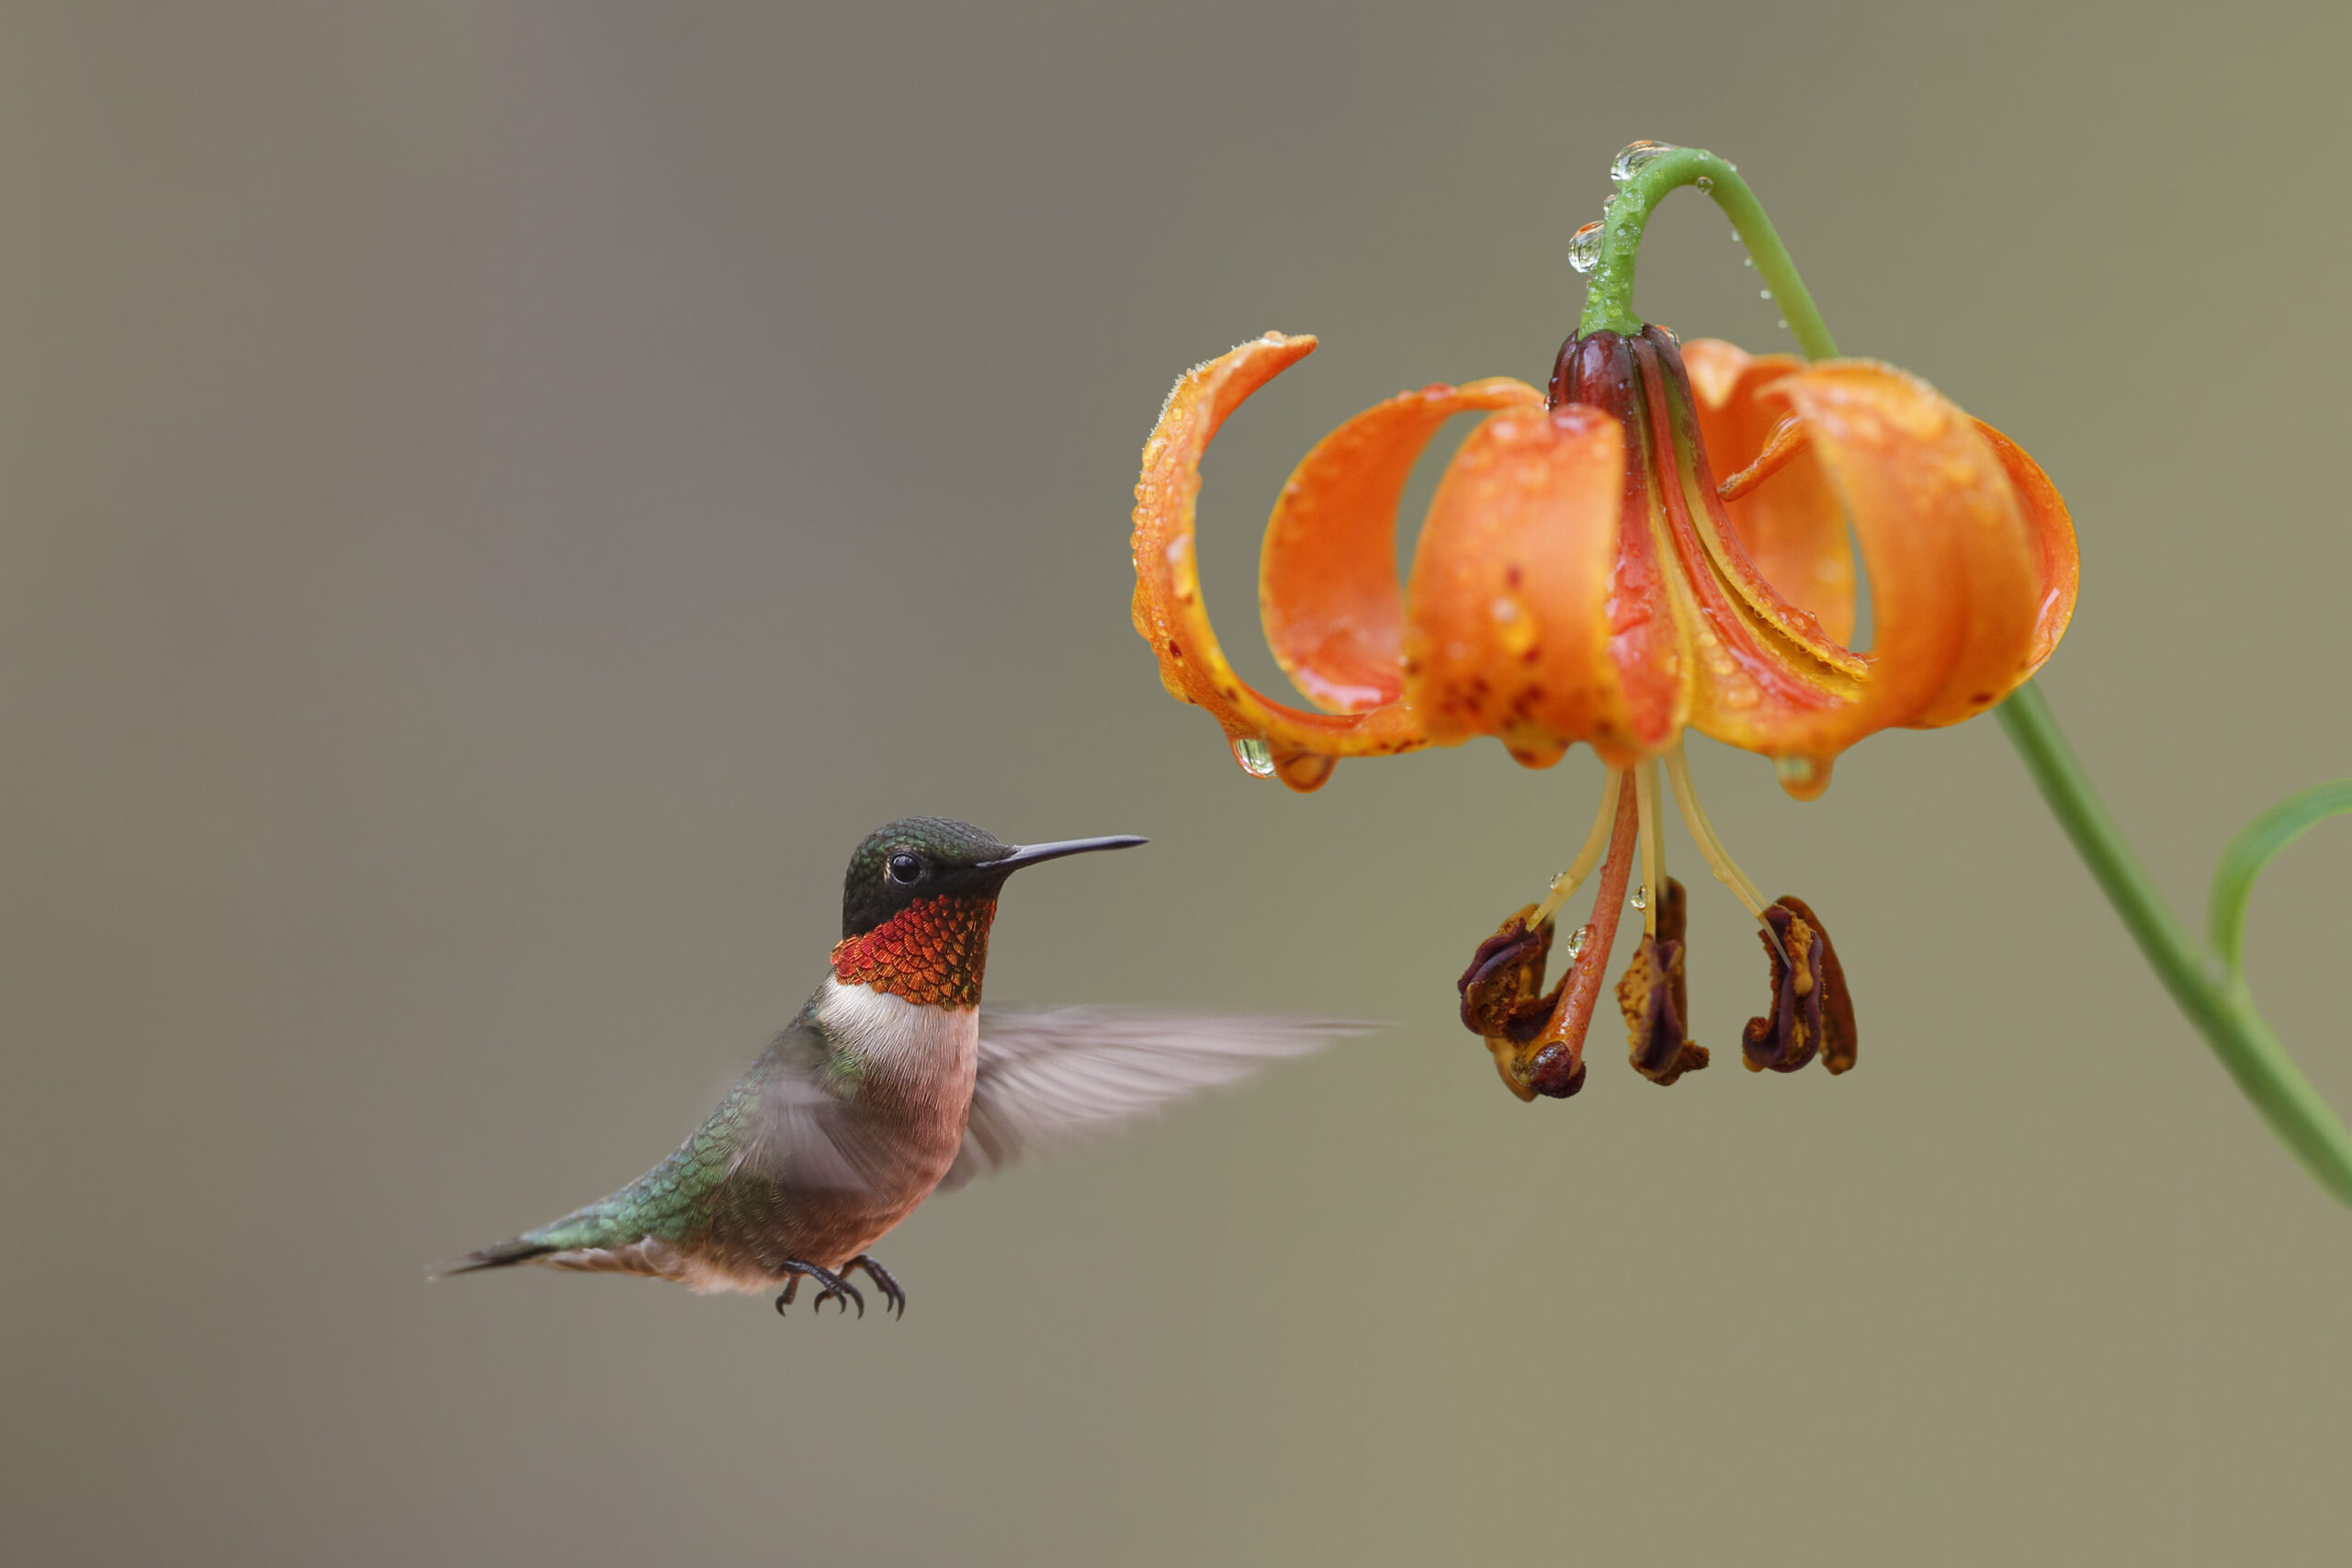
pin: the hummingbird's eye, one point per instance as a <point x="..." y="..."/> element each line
<point x="904" y="867"/>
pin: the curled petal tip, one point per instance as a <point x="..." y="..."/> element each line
<point x="1169" y="612"/>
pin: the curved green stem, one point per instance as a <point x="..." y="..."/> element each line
<point x="1609" y="301"/>
<point x="2218" y="1007"/>
<point x="2214" y="1000"/>
<point x="2240" y="864"/>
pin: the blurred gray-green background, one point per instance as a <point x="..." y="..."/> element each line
<point x="493" y="503"/>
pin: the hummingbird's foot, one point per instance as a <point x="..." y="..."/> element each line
<point x="838" y="1290"/>
<point x="892" y="1297"/>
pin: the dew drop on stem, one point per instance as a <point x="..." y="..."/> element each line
<point x="1631" y="158"/>
<point x="1584" y="247"/>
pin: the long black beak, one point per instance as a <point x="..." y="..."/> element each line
<point x="1030" y="855"/>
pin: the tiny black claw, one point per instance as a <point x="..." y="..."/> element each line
<point x="836" y="1289"/>
<point x="892" y="1296"/>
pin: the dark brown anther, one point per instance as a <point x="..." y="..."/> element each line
<point x="1838" y="1042"/>
<point x="1654" y="999"/>
<point x="1501" y="987"/>
<point x="1812" y="1012"/>
<point x="1504" y="1003"/>
<point x="1555" y="1072"/>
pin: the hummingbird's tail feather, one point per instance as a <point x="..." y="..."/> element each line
<point x="582" y="1239"/>
<point x="505" y="1255"/>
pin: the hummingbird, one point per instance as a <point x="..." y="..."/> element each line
<point x="891" y="1083"/>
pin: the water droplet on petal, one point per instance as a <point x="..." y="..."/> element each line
<point x="1629" y="161"/>
<point x="1584" y="247"/>
<point x="1513" y="626"/>
<point x="1642" y="896"/>
<point x="1256" y="758"/>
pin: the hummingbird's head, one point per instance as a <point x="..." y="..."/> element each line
<point x="918" y="901"/>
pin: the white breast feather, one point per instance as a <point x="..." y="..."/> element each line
<point x="904" y="1041"/>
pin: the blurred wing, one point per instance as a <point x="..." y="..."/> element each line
<point x="803" y="1131"/>
<point x="808" y="1139"/>
<point x="1052" y="1077"/>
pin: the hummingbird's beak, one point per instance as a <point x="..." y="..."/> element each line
<point x="1030" y="855"/>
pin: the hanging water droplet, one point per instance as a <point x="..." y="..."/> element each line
<point x="1256" y="758"/>
<point x="1575" y="949"/>
<point x="1795" y="770"/>
<point x="1745" y="261"/>
<point x="1642" y="896"/>
<point x="1629" y="159"/>
<point x="1584" y="247"/>
<point x="1763" y="294"/>
<point x="1703" y="183"/>
<point x="1784" y="324"/>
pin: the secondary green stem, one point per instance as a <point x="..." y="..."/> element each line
<point x="2216" y="1001"/>
<point x="2223" y="1013"/>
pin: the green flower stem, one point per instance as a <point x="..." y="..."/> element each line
<point x="2215" y="998"/>
<point x="2215" y="1001"/>
<point x="1610" y="303"/>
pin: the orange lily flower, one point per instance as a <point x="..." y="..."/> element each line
<point x="1582" y="576"/>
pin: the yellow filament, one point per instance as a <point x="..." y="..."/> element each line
<point x="1596" y="844"/>
<point x="1702" y="832"/>
<point x="1653" y="848"/>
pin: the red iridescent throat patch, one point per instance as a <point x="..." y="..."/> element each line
<point x="931" y="952"/>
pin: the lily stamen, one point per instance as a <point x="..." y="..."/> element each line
<point x="1711" y="848"/>
<point x="1595" y="843"/>
<point x="1703" y="833"/>
<point x="1653" y="847"/>
<point x="1555" y="1066"/>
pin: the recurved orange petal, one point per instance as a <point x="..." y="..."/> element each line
<point x="1168" y="612"/>
<point x="2053" y="535"/>
<point x="1327" y="580"/>
<point x="1791" y="526"/>
<point x="1956" y="568"/>
<point x="1508" y="624"/>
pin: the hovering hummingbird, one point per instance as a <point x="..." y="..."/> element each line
<point x="892" y="1082"/>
